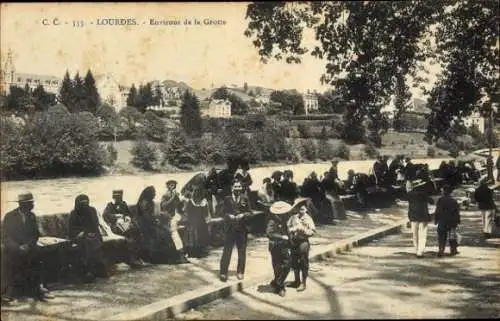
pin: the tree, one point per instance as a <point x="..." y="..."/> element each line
<point x="14" y="98"/>
<point x="190" y="114"/>
<point x="42" y="99"/>
<point x="90" y="93"/>
<point x="157" y="96"/>
<point x="179" y="150"/>
<point x="368" y="45"/>
<point x="144" y="154"/>
<point x="238" y="106"/>
<point x="329" y="102"/>
<point x="290" y="100"/>
<point x="78" y="95"/>
<point x="401" y="102"/>
<point x="220" y="93"/>
<point x="245" y="87"/>
<point x="132" y="96"/>
<point x="66" y="91"/>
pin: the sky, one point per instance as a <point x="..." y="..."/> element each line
<point x="200" y="55"/>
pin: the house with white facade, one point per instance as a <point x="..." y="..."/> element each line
<point x="475" y="119"/>
<point x="218" y="108"/>
<point x="310" y="101"/>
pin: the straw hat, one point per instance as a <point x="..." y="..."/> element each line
<point x="280" y="207"/>
<point x="25" y="197"/>
<point x="118" y="192"/>
<point x="299" y="202"/>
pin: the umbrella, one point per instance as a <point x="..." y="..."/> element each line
<point x="198" y="180"/>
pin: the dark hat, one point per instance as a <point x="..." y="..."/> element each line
<point x="266" y="180"/>
<point x="118" y="192"/>
<point x="25" y="197"/>
<point x="171" y="182"/>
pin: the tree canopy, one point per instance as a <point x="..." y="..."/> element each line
<point x="371" y="46"/>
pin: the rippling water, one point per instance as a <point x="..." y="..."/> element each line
<point x="58" y="195"/>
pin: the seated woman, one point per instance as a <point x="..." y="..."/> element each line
<point x="146" y="221"/>
<point x="84" y="230"/>
<point x="197" y="236"/>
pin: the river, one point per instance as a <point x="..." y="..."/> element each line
<point x="58" y="195"/>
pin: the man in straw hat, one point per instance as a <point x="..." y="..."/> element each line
<point x="300" y="228"/>
<point x="418" y="213"/>
<point x="21" y="261"/>
<point x="117" y="215"/>
<point x="279" y="244"/>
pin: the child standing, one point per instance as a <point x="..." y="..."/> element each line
<point x="300" y="228"/>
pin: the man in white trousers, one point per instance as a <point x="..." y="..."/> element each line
<point x="483" y="196"/>
<point x="418" y="213"/>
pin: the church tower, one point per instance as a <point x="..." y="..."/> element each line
<point x="7" y="74"/>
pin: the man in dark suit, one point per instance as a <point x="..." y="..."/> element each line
<point x="117" y="215"/>
<point x="21" y="256"/>
<point x="235" y="207"/>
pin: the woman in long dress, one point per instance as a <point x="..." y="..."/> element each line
<point x="197" y="236"/>
<point x="145" y="220"/>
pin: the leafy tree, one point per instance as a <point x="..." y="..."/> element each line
<point x="220" y="93"/>
<point x="132" y="96"/>
<point x="42" y="99"/>
<point x="368" y="45"/>
<point x="90" y="93"/>
<point x="144" y="154"/>
<point x="66" y="91"/>
<point x="179" y="150"/>
<point x="154" y="126"/>
<point x="190" y="114"/>
<point x="245" y="87"/>
<point x="130" y="120"/>
<point x="290" y="101"/>
<point x="238" y="106"/>
<point x="157" y="96"/>
<point x="329" y="102"/>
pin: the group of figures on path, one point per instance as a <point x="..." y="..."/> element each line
<point x="152" y="234"/>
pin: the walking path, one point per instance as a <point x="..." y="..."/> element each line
<point x="129" y="290"/>
<point x="385" y="280"/>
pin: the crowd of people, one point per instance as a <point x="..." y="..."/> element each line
<point x="152" y="235"/>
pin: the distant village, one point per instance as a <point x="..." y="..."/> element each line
<point x="259" y="98"/>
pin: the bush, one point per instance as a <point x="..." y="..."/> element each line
<point x="304" y="131"/>
<point x="270" y="145"/>
<point x="343" y="151"/>
<point x="154" y="127"/>
<point x="180" y="150"/>
<point x="453" y="150"/>
<point x="309" y="149"/>
<point x="371" y="150"/>
<point x="144" y="154"/>
<point x="51" y="144"/>
<point x="211" y="150"/>
<point x="431" y="152"/>
<point x="325" y="150"/>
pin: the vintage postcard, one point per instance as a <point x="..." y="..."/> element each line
<point x="249" y="160"/>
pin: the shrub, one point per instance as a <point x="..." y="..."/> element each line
<point x="431" y="152"/>
<point x="453" y="150"/>
<point x="325" y="150"/>
<point x="270" y="144"/>
<point x="180" y="150"/>
<point x="343" y="151"/>
<point x="144" y="154"/>
<point x="304" y="131"/>
<point x="50" y="144"/>
<point x="309" y="149"/>
<point x="371" y="150"/>
<point x="154" y="127"/>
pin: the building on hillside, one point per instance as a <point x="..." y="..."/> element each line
<point x="263" y="98"/>
<point x="10" y="77"/>
<point x="218" y="108"/>
<point x="416" y="118"/>
<point x="310" y="101"/>
<point x="475" y="119"/>
<point x="171" y="93"/>
<point x="111" y="92"/>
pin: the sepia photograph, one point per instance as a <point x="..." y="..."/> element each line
<point x="250" y="160"/>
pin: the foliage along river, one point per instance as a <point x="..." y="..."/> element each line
<point x="57" y="195"/>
